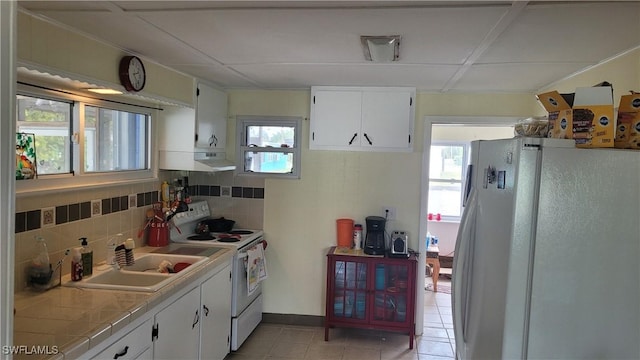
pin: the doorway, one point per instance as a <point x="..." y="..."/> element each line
<point x="452" y="129"/>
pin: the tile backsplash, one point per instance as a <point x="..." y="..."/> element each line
<point x="100" y="214"/>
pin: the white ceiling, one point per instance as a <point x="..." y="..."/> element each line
<point x="447" y="46"/>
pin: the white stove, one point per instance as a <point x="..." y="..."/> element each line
<point x="246" y="310"/>
<point x="184" y="225"/>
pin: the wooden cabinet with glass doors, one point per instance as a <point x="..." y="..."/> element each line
<point x="370" y="292"/>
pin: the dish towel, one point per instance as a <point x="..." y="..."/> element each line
<point x="256" y="267"/>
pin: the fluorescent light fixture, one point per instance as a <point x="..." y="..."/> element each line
<point x="381" y="48"/>
<point x="105" y="91"/>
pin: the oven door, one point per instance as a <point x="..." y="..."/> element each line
<point x="240" y="298"/>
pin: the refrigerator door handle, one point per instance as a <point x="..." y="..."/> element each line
<point x="462" y="269"/>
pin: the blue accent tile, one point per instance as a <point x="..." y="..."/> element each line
<point x="147" y="198"/>
<point x="124" y="203"/>
<point x="203" y="190"/>
<point x="74" y="212"/>
<point x="85" y="210"/>
<point x="62" y="214"/>
<point x="21" y="222"/>
<point x="33" y="219"/>
<point x="115" y="204"/>
<point x="106" y="206"/>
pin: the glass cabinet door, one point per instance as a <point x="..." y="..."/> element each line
<point x="350" y="279"/>
<point x="391" y="294"/>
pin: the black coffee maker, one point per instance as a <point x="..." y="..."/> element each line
<point x="374" y="243"/>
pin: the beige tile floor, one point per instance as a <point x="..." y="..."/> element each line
<point x="272" y="341"/>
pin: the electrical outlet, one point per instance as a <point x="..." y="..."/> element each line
<point x="389" y="212"/>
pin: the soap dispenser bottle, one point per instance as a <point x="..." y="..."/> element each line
<point x="76" y="264"/>
<point x="87" y="257"/>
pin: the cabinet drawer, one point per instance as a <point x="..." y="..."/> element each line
<point x="130" y="345"/>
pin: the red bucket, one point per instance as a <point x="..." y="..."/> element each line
<point x="158" y="233"/>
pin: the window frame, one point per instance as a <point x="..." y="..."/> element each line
<point x="78" y="178"/>
<point x="72" y="107"/>
<point x="466" y="154"/>
<point x="245" y="121"/>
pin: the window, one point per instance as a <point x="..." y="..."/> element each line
<point x="81" y="141"/>
<point x="50" y="121"/>
<point x="447" y="170"/>
<point x="268" y="146"/>
<point x="114" y="140"/>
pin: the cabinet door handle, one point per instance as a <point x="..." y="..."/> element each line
<point x="196" y="319"/>
<point x="353" y="138"/>
<point x="367" y="137"/>
<point x="206" y="310"/>
<point x="122" y="353"/>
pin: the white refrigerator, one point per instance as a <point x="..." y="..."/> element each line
<point x="547" y="260"/>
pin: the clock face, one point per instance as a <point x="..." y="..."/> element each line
<point x="132" y="74"/>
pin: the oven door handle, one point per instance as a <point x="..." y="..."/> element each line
<point x="244" y="254"/>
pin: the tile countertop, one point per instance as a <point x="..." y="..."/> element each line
<point x="65" y="322"/>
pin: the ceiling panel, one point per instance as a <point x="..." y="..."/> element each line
<point x="561" y="33"/>
<point x="446" y="45"/>
<point x="328" y="35"/>
<point x="511" y="77"/>
<point x="425" y="77"/>
<point x="220" y="75"/>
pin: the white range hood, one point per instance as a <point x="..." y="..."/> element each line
<point x="216" y="160"/>
<point x="197" y="160"/>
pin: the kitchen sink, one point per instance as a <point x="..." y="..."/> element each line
<point x="142" y="276"/>
<point x="151" y="262"/>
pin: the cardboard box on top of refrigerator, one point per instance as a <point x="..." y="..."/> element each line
<point x="593" y="120"/>
<point x="560" y="114"/>
<point x="628" y="125"/>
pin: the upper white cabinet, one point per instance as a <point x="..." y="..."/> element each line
<point x="362" y="118"/>
<point x="211" y="118"/>
<point x="182" y="130"/>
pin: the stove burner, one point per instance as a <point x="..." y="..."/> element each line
<point x="203" y="237"/>
<point x="229" y="238"/>
<point x="240" y="232"/>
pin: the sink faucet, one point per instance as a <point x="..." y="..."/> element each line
<point x="59" y="269"/>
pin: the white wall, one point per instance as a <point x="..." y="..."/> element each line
<point x="299" y="215"/>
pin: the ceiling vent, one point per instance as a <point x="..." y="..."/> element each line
<point x="381" y="48"/>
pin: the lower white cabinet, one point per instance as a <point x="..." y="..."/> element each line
<point x="194" y="323"/>
<point x="197" y="325"/>
<point x="215" y="330"/>
<point x="136" y="344"/>
<point x="176" y="332"/>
